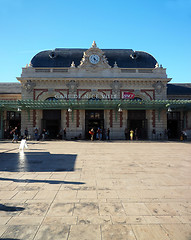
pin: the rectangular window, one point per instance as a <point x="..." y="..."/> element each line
<point x="174" y="116"/>
<point x="13" y="115"/>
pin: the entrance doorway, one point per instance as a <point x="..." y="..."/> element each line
<point x="51" y="122"/>
<point x="138" y="123"/>
<point x="94" y="119"/>
<point x="13" y="120"/>
<point x="173" y="125"/>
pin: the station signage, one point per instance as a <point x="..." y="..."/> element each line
<point x="96" y="95"/>
<point x="90" y="95"/>
<point x="128" y="95"/>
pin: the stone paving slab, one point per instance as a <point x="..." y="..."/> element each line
<point x="95" y="190"/>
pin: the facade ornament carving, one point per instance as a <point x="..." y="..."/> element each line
<point x="72" y="85"/>
<point x="157" y="65"/>
<point x="94" y="59"/>
<point x="158" y="86"/>
<point x="115" y="85"/>
<point x="115" y="65"/>
<point x="29" y="86"/>
<point x="94" y="45"/>
<point x="72" y="65"/>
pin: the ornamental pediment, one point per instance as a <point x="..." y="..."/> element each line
<point x="94" y="59"/>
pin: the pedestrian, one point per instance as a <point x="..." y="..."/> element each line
<point x="136" y="133"/>
<point x="131" y="134"/>
<point x="64" y="133"/>
<point x="126" y="133"/>
<point x="103" y="134"/>
<point x="91" y="132"/>
<point x="108" y="134"/>
<point x="98" y="133"/>
<point x="36" y="134"/>
<point x="61" y="134"/>
<point x="15" y="135"/>
<point x="26" y="133"/>
<point x="43" y="133"/>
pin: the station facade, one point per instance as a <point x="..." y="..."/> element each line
<point x="81" y="89"/>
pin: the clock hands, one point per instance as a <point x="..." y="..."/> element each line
<point x="94" y="59"/>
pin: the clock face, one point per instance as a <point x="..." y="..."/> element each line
<point x="94" y="59"/>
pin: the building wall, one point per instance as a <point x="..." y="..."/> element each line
<point x="88" y="80"/>
<point x="143" y="89"/>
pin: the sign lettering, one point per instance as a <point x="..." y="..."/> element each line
<point x="128" y="95"/>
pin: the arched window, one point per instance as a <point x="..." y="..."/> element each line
<point x="137" y="99"/>
<point x="51" y="99"/>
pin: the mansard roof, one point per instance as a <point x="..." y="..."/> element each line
<point x="179" y="89"/>
<point x="63" y="57"/>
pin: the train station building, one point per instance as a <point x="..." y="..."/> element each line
<point x="81" y="89"/>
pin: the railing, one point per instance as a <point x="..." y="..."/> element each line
<point x="51" y="70"/>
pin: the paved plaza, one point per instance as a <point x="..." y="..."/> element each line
<point x="67" y="190"/>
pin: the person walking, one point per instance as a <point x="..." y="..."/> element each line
<point x="36" y="134"/>
<point x="98" y="133"/>
<point x="126" y="133"/>
<point x="91" y="132"/>
<point x="64" y="133"/>
<point x="103" y="134"/>
<point x="136" y="133"/>
<point x="15" y="135"/>
<point x="43" y="134"/>
<point x="108" y="134"/>
<point x="131" y="134"/>
<point x="26" y="133"/>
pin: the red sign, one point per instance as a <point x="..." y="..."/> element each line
<point x="128" y="95"/>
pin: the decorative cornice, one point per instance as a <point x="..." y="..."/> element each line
<point x="52" y="79"/>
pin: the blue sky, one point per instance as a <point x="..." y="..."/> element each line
<point x="161" y="28"/>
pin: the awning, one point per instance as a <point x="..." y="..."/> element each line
<point x="74" y="104"/>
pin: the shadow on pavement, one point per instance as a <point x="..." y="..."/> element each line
<point x="40" y="181"/>
<point x="37" y="162"/>
<point x="10" y="209"/>
<point x="9" y="239"/>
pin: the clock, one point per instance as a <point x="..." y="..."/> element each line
<point x="94" y="59"/>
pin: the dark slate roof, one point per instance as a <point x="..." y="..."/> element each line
<point x="8" y="88"/>
<point x="179" y="89"/>
<point x="63" y="57"/>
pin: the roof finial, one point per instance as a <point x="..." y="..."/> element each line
<point x="94" y="45"/>
<point x="156" y="65"/>
<point x="115" y="65"/>
<point x="72" y="65"/>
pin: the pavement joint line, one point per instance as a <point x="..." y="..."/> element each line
<point x="46" y="213"/>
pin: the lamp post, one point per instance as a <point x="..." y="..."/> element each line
<point x="70" y="111"/>
<point x="120" y="109"/>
